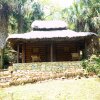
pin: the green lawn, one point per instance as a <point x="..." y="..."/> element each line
<point x="81" y="89"/>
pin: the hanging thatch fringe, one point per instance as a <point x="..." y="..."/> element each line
<point x="66" y="34"/>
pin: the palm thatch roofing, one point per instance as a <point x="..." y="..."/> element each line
<point x="60" y="34"/>
<point x="49" y="25"/>
<point x="49" y="30"/>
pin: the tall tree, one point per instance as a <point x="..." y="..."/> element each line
<point x="24" y="12"/>
<point x="18" y="14"/>
<point x="4" y="16"/>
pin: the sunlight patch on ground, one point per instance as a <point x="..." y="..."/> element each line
<point x="82" y="89"/>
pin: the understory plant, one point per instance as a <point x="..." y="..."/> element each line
<point x="92" y="64"/>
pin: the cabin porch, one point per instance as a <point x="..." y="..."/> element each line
<point x="47" y="51"/>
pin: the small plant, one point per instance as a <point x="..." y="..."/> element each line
<point x="92" y="64"/>
<point x="84" y="64"/>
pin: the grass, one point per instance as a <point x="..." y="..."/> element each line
<point x="81" y="89"/>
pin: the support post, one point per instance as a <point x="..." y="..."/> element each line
<point x="51" y="52"/>
<point x="85" y="53"/>
<point x="23" y="53"/>
<point x="18" y="53"/>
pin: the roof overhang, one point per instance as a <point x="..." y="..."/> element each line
<point x="50" y="35"/>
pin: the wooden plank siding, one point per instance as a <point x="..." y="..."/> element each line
<point x="64" y="51"/>
<point x="28" y="53"/>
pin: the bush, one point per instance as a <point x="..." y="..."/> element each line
<point x="5" y="61"/>
<point x="92" y="64"/>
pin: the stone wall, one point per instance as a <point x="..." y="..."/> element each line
<point x="47" y="66"/>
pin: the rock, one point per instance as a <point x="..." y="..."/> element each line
<point x="78" y="77"/>
<point x="86" y="75"/>
<point x="98" y="75"/>
<point x="63" y="78"/>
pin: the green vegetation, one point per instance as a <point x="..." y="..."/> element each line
<point x="84" y="15"/>
<point x="82" y="89"/>
<point x="92" y="64"/>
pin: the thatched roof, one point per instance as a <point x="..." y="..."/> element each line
<point x="39" y="35"/>
<point x="48" y="25"/>
<point x="49" y="30"/>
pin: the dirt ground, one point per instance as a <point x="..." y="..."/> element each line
<point x="59" y="89"/>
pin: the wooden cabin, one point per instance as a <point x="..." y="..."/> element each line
<point x="51" y="41"/>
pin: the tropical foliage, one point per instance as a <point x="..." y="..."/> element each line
<point x="23" y="14"/>
<point x="84" y="15"/>
<point x="92" y="64"/>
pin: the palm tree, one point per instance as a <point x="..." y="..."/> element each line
<point x="84" y="15"/>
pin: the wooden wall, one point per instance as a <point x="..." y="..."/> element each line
<point x="35" y="49"/>
<point x="64" y="51"/>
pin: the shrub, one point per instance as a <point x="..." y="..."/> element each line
<point x="6" y="61"/>
<point x="92" y="64"/>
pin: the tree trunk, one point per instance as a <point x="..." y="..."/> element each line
<point x="20" y="20"/>
<point x="1" y="58"/>
<point x="3" y="31"/>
